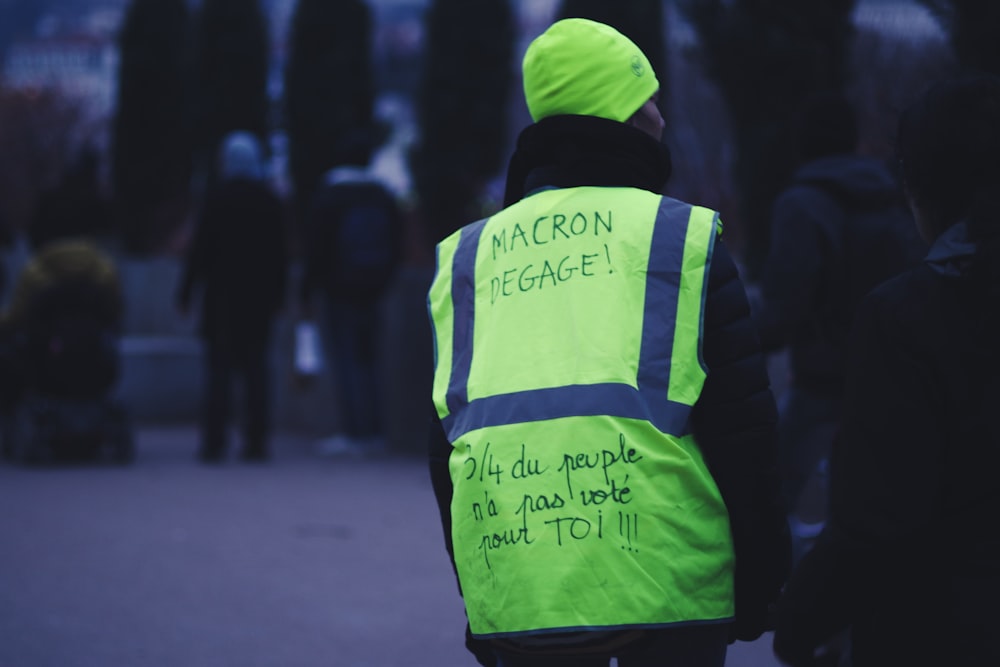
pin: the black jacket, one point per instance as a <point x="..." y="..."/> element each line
<point x="239" y="259"/>
<point x="734" y="419"/>
<point x="910" y="559"/>
<point x="838" y="230"/>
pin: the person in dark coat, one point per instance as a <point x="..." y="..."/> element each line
<point x="238" y="259"/>
<point x="908" y="561"/>
<point x="840" y="228"/>
<point x="733" y="420"/>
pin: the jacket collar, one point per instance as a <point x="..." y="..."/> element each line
<point x="569" y="151"/>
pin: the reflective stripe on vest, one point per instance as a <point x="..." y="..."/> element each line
<point x="572" y="459"/>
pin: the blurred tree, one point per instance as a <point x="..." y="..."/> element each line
<point x="151" y="133"/>
<point x="231" y="66"/>
<point x="329" y="88"/>
<point x="35" y="130"/>
<point x="642" y="21"/>
<point x="766" y="56"/>
<point x="972" y="27"/>
<point x="461" y="110"/>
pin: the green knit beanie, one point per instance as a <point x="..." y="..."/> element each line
<point x="586" y="68"/>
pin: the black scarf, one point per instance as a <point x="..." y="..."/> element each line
<point x="569" y="151"/>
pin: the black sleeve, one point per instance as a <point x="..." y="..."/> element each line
<point x="438" y="453"/>
<point x="734" y="423"/>
<point x="199" y="253"/>
<point x="439" y="450"/>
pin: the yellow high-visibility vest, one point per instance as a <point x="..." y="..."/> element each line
<point x="567" y="333"/>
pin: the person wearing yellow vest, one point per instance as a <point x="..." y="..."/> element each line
<point x="602" y="448"/>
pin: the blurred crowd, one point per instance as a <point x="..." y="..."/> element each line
<point x="63" y="322"/>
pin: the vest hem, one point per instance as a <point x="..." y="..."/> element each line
<point x="580" y="629"/>
<point x="584" y="639"/>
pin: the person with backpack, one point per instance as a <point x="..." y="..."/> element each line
<point x="909" y="559"/>
<point x="238" y="260"/>
<point x="839" y="229"/>
<point x="353" y="244"/>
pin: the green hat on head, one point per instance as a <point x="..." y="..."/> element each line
<point x="586" y="68"/>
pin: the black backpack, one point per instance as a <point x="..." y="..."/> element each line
<point x="365" y="238"/>
<point x="366" y="241"/>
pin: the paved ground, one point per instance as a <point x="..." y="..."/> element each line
<point x="303" y="562"/>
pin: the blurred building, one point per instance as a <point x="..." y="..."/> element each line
<point x="81" y="66"/>
<point x="72" y="52"/>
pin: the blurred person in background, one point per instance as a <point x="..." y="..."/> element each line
<point x="602" y="451"/>
<point x="238" y="260"/>
<point x="60" y="331"/>
<point x="63" y="234"/>
<point x="352" y="251"/>
<point x="908" y="560"/>
<point x="840" y="228"/>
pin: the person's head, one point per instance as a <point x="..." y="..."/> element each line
<point x="585" y="68"/>
<point x="948" y="146"/>
<point x="825" y="125"/>
<point x="241" y="157"/>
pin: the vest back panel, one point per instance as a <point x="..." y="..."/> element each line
<point x="568" y="340"/>
<point x="619" y="526"/>
<point x="565" y="272"/>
